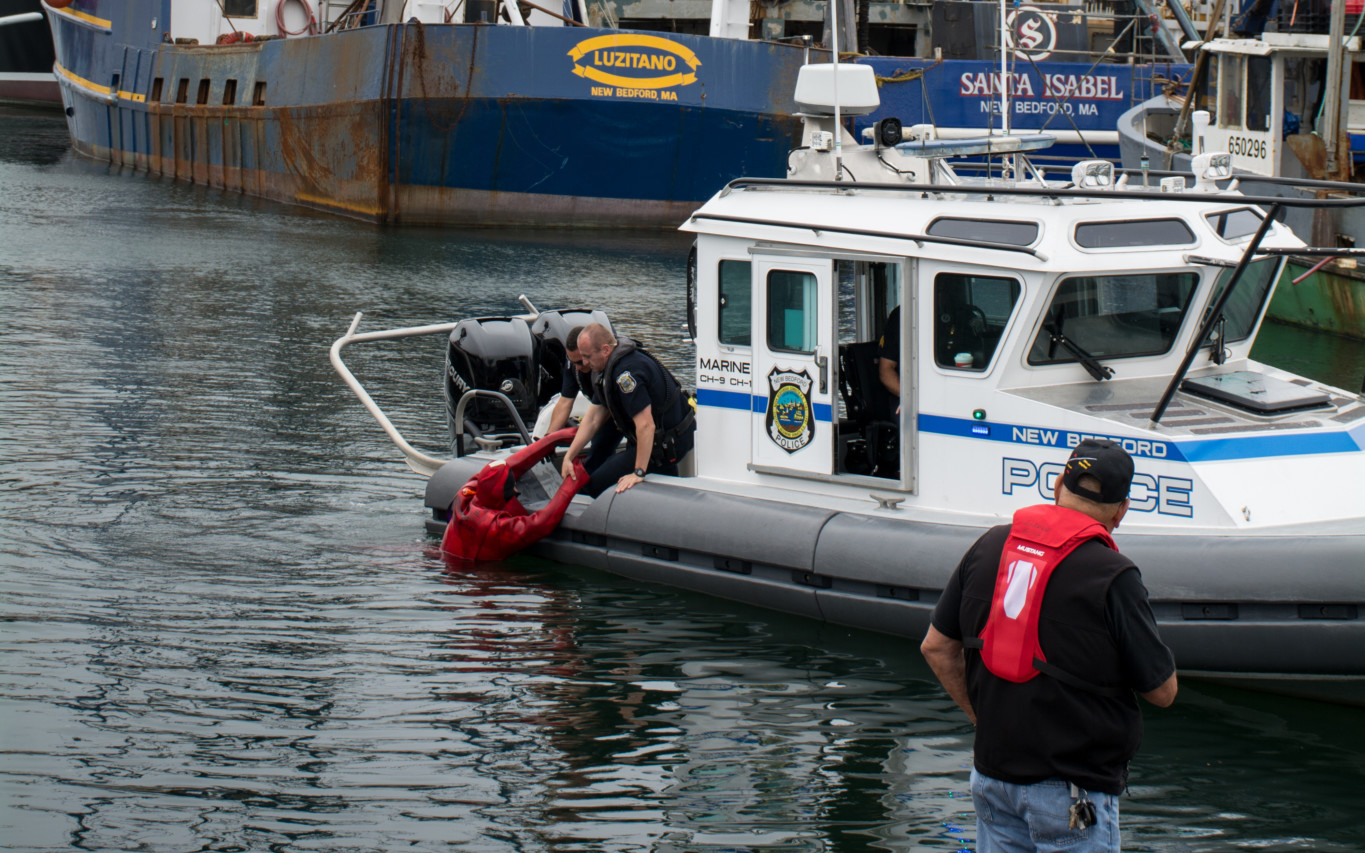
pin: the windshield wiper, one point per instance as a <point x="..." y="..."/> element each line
<point x="1214" y="315"/>
<point x="1092" y="365"/>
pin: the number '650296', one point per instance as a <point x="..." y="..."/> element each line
<point x="1246" y="147"/>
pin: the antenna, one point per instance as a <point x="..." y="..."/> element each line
<point x="1004" y="78"/>
<point x="838" y="123"/>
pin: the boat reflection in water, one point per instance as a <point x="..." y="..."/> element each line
<point x="686" y="727"/>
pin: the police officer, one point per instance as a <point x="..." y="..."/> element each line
<point x="639" y="395"/>
<point x="888" y="358"/>
<point x="578" y="379"/>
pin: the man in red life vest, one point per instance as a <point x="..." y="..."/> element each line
<point x="487" y="522"/>
<point x="1044" y="637"/>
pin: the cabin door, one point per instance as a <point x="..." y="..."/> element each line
<point x="793" y="382"/>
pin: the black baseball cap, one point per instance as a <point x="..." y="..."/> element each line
<point x="1104" y="460"/>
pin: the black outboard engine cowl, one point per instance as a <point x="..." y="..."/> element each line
<point x="551" y="330"/>
<point x="493" y="354"/>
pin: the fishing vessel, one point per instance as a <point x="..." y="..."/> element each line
<point x="473" y="113"/>
<point x="1034" y="312"/>
<point x="395" y="113"/>
<point x="1288" y="107"/>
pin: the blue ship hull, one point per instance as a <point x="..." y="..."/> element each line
<point x="474" y="124"/>
<point x="447" y="124"/>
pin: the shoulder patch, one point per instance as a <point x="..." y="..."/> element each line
<point x="625" y="382"/>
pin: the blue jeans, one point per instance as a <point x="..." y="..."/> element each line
<point x="1027" y="818"/>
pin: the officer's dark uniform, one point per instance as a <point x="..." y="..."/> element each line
<point x="889" y="348"/>
<point x="608" y="437"/>
<point x="633" y="380"/>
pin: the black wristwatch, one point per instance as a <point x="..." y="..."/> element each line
<point x="640" y="472"/>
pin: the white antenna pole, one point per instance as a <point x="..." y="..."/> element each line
<point x="838" y="123"/>
<point x="1004" y="73"/>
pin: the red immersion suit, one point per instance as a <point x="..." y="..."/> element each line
<point x="487" y="522"/>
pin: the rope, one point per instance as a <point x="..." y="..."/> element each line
<point x="311" y="28"/>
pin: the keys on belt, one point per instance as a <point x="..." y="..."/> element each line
<point x="1082" y="811"/>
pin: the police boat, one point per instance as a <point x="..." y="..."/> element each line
<point x="1033" y="313"/>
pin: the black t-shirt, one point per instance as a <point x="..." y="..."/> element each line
<point x="1096" y="623"/>
<point x="569" y="385"/>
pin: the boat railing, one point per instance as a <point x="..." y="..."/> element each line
<point x="1350" y="187"/>
<point x="1056" y="191"/>
<point x="418" y="461"/>
<point x="459" y="420"/>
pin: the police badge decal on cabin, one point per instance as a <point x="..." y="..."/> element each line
<point x="790" y="421"/>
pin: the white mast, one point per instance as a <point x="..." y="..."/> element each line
<point x="838" y="124"/>
<point x="1004" y="79"/>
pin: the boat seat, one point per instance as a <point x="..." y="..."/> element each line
<point x="871" y="420"/>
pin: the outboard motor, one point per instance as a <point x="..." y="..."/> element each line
<point x="492" y="354"/>
<point x="550" y="330"/>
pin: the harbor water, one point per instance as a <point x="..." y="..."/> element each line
<point x="222" y="627"/>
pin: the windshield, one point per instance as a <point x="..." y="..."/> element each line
<point x="1114" y="316"/>
<point x="1244" y="306"/>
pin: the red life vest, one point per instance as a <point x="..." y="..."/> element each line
<point x="1040" y="538"/>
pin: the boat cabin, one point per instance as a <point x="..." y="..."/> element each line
<point x="1270" y="107"/>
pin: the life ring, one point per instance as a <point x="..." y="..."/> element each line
<point x="58" y="4"/>
<point x="311" y="28"/>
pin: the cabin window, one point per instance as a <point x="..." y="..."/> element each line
<point x="1230" y="91"/>
<point x="1114" y="316"/>
<point x="239" y="8"/>
<point x="1234" y="224"/>
<point x="736" y="303"/>
<point x="1244" y="306"/>
<point x="229" y="93"/>
<point x="1258" y="80"/>
<point x="970" y="315"/>
<point x="203" y="97"/>
<point x="986" y="230"/>
<point x="258" y="94"/>
<point x="1128" y="233"/>
<point x="182" y="91"/>
<point x="156" y="91"/>
<point x="792" y="311"/>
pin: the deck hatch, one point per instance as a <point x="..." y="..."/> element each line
<point x="1255" y="392"/>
